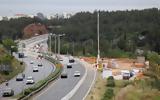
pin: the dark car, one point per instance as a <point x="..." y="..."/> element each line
<point x="71" y="60"/>
<point x="21" y="55"/>
<point x="69" y="65"/>
<point x="19" y="77"/>
<point x="64" y="75"/>
<point x="7" y="92"/>
<point x="40" y="65"/>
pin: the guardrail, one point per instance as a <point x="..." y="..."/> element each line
<point x="33" y="39"/>
<point x="45" y="82"/>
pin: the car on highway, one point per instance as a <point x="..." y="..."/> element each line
<point x="71" y="60"/>
<point x="60" y="59"/>
<point x="69" y="65"/>
<point x="7" y="92"/>
<point x="35" y="69"/>
<point x="19" y="77"/>
<point x="21" y="55"/>
<point x="31" y="62"/>
<point x="40" y="64"/>
<point x="77" y="74"/>
<point x="30" y="80"/>
<point x="64" y="75"/>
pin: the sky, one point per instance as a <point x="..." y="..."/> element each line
<point x="12" y="7"/>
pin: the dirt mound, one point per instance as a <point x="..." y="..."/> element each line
<point x="33" y="30"/>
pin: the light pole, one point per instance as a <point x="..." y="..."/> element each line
<point x="59" y="43"/>
<point x="50" y="42"/>
<point x="55" y="46"/>
<point x="50" y="38"/>
<point x="98" y="55"/>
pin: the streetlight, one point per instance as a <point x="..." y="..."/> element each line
<point x="59" y="43"/>
<point x="98" y="55"/>
<point x="50" y="44"/>
<point x="50" y="38"/>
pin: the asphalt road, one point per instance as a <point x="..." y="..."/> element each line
<point x="62" y="87"/>
<point x="44" y="71"/>
<point x="83" y="89"/>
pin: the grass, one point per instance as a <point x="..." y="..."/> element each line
<point x="98" y="89"/>
<point x="16" y="68"/>
<point x="139" y="91"/>
<point x="139" y="94"/>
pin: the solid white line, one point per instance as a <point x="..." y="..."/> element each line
<point x="91" y="85"/>
<point x="44" y="91"/>
<point x="74" y="90"/>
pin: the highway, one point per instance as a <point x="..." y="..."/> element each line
<point x="86" y="85"/>
<point x="61" y="87"/>
<point x="44" y="71"/>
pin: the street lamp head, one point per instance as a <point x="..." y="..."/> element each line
<point x="50" y="33"/>
<point x="61" y="35"/>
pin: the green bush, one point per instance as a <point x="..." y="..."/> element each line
<point x="110" y="82"/>
<point x="27" y="91"/>
<point x="109" y="93"/>
<point x="116" y="53"/>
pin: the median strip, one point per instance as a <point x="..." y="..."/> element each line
<point x="43" y="83"/>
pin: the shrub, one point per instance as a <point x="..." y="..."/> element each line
<point x="109" y="93"/>
<point x="110" y="82"/>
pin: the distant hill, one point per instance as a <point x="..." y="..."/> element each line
<point x="34" y="29"/>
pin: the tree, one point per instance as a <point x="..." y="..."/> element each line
<point x="10" y="45"/>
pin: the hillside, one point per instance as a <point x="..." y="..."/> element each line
<point x="34" y="29"/>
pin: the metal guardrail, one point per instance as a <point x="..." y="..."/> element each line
<point x="43" y="86"/>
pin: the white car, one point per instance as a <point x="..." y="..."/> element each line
<point x="64" y="75"/>
<point x="30" y="80"/>
<point x="35" y="68"/>
<point x="77" y="73"/>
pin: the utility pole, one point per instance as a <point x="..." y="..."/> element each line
<point x="50" y="48"/>
<point x="55" y="46"/>
<point x="98" y="53"/>
<point x="59" y="43"/>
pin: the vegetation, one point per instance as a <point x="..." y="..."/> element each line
<point x="13" y="69"/>
<point x="9" y="66"/>
<point x="121" y="32"/>
<point x="108" y="94"/>
<point x="110" y="82"/>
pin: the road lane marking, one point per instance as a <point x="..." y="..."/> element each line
<point x="95" y="74"/>
<point x="74" y="90"/>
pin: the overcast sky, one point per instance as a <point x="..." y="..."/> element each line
<point x="11" y="7"/>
